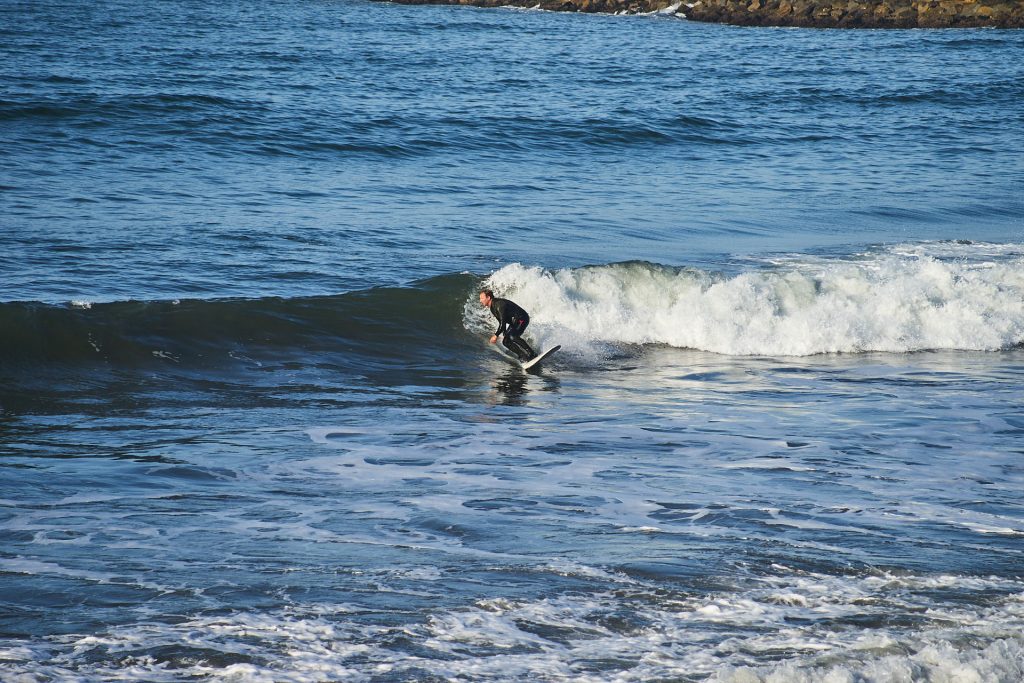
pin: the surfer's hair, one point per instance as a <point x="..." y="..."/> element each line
<point x="489" y="293"/>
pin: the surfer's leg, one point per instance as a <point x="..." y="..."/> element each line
<point x="525" y="349"/>
<point x="517" y="330"/>
<point x="509" y="343"/>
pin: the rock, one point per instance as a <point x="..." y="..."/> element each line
<point x="809" y="13"/>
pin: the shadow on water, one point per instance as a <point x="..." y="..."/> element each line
<point x="514" y="386"/>
<point x="511" y="388"/>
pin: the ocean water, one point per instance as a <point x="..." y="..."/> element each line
<point x="251" y="429"/>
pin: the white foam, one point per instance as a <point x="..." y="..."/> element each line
<point x="1000" y="531"/>
<point x="898" y="299"/>
<point x="32" y="567"/>
<point x="938" y="662"/>
<point x="332" y="436"/>
<point x="735" y="635"/>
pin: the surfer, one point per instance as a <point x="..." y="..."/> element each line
<point x="512" y="320"/>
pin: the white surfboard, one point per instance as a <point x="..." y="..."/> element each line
<point x="540" y="357"/>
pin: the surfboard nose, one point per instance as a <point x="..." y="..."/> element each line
<point x="536" y="361"/>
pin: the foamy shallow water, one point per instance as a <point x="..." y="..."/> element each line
<point x="669" y="514"/>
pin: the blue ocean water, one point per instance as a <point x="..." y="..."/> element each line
<point x="251" y="429"/>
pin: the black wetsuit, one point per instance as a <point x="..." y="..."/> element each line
<point x="512" y="320"/>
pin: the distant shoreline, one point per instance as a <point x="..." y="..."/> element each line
<point x="803" y="13"/>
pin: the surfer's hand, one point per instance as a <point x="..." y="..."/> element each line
<point x="494" y="338"/>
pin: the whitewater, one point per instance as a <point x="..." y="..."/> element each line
<point x="896" y="299"/>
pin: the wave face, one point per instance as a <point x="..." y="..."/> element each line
<point x="384" y="324"/>
<point x="894" y="299"/>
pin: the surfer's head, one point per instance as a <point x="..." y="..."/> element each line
<point x="486" y="297"/>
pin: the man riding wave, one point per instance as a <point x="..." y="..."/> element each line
<point x="512" y="321"/>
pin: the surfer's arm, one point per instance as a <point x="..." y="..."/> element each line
<point x="498" y="312"/>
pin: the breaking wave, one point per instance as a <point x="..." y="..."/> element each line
<point x="896" y="299"/>
<point x="893" y="299"/>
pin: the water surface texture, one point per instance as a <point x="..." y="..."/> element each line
<point x="251" y="429"/>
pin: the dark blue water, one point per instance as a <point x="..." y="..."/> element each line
<point x="251" y="429"/>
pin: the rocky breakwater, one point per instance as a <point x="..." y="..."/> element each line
<point x="861" y="13"/>
<point x="808" y="13"/>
